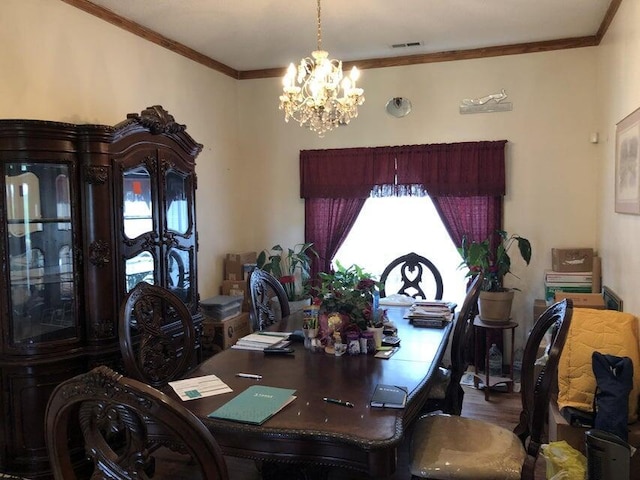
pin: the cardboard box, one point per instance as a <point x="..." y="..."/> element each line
<point x="539" y="307"/>
<point x="559" y="429"/>
<point x="234" y="265"/>
<point x="233" y="287"/>
<point x="227" y="332"/>
<point x="584" y="300"/>
<point x="572" y="259"/>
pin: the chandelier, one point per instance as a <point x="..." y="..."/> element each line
<point x="317" y="95"/>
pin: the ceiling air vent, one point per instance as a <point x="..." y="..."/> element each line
<point x="406" y="45"/>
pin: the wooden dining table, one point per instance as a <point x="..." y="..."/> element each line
<point x="310" y="432"/>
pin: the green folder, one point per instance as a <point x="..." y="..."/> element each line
<point x="255" y="405"/>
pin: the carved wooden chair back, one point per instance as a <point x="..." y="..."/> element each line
<point x="416" y="273"/>
<point x="126" y="428"/>
<point x="157" y="336"/>
<point x="264" y="288"/>
<point x="537" y="382"/>
<point x="459" y="344"/>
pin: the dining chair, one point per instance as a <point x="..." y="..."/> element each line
<point x="447" y="394"/>
<point x="452" y="447"/>
<point x="128" y="430"/>
<point x="412" y="270"/>
<point x="264" y="288"/>
<point x="157" y="336"/>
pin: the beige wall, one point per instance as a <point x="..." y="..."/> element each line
<point x="59" y="63"/>
<point x="618" y="96"/>
<point x="552" y="167"/>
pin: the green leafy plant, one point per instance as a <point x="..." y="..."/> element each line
<point x="493" y="260"/>
<point x="349" y="291"/>
<point x="292" y="267"/>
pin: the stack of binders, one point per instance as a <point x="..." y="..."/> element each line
<point x="222" y="307"/>
<point x="569" y="282"/>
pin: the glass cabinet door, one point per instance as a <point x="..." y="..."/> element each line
<point x="39" y="241"/>
<point x="137" y="201"/>
<point x="179" y="225"/>
<point x="159" y="241"/>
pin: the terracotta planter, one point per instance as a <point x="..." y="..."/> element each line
<point x="495" y="307"/>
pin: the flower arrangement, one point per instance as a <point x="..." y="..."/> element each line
<point x="350" y="292"/>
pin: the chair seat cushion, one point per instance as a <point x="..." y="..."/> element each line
<point x="445" y="446"/>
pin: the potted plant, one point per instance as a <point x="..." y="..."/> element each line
<point x="350" y="292"/>
<point x="292" y="267"/>
<point x="491" y="257"/>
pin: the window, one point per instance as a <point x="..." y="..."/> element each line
<point x="389" y="227"/>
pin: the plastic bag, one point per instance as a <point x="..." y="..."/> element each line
<point x="563" y="461"/>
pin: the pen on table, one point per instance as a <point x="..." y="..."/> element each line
<point x="249" y="375"/>
<point x="338" y="402"/>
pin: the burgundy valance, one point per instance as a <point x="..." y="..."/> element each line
<point x="447" y="169"/>
<point x="344" y="173"/>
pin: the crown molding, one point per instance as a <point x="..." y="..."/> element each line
<point x="485" y="52"/>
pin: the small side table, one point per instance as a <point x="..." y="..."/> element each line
<point x="490" y="381"/>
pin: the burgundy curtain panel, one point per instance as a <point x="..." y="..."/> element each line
<point x="466" y="182"/>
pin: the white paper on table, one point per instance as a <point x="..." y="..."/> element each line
<point x="198" y="387"/>
<point x="396" y="299"/>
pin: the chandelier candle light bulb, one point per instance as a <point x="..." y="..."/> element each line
<point x="319" y="97"/>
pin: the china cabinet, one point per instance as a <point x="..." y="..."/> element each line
<point x="88" y="212"/>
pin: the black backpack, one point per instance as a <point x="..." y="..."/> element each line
<point x="614" y="379"/>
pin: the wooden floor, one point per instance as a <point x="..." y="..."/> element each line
<point x="502" y="409"/>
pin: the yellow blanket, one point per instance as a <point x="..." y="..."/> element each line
<point x="608" y="332"/>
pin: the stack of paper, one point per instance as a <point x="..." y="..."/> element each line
<point x="435" y="304"/>
<point x="255" y="405"/>
<point x="260" y="341"/>
<point x="432" y="314"/>
<point x="198" y="387"/>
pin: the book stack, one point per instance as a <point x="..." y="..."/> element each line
<point x="429" y="314"/>
<point x="569" y="282"/>
<point x="261" y="340"/>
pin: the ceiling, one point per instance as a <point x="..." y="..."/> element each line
<point x="243" y="36"/>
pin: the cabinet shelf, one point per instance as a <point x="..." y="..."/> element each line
<point x="31" y="221"/>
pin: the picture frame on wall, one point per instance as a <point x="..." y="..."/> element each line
<point x="627" y="189"/>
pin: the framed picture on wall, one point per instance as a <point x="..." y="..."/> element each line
<point x="628" y="164"/>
